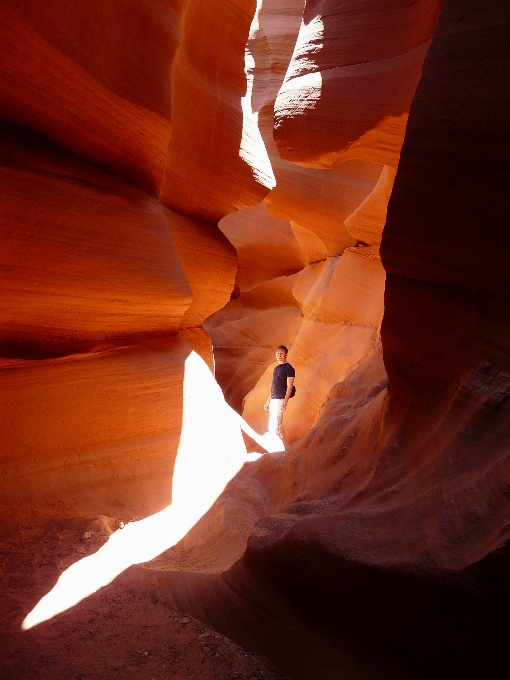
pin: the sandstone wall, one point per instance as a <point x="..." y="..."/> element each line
<point x="374" y="546"/>
<point x="100" y="257"/>
<point x="335" y="209"/>
<point x="390" y="518"/>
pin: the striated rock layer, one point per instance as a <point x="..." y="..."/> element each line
<point x="99" y="273"/>
<point x="351" y="80"/>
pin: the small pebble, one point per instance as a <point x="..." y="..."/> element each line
<point x="86" y="535"/>
<point x="184" y="620"/>
<point x="120" y="524"/>
<point x="80" y="549"/>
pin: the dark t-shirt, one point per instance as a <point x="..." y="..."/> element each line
<point x="279" y="384"/>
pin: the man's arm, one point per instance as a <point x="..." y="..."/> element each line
<point x="266" y="405"/>
<point x="290" y="383"/>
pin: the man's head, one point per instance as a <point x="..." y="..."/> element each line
<point x="281" y="354"/>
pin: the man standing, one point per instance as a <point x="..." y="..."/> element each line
<point x="281" y="389"/>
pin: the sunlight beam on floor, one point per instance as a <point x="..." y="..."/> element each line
<point x="211" y="452"/>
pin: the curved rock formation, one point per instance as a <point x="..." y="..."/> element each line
<point x="209" y="121"/>
<point x="341" y="301"/>
<point x="331" y="212"/>
<point x="61" y="78"/>
<point x="375" y="546"/>
<point x="266" y="246"/>
<point x="394" y="500"/>
<point x="351" y="80"/>
<point x="98" y="275"/>
<point x="86" y="256"/>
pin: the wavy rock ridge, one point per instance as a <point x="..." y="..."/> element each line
<point x="96" y="260"/>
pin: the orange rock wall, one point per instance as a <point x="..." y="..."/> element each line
<point x="93" y="432"/>
<point x="371" y="536"/>
<point x="350" y="58"/>
<point x="336" y="210"/>
<point x="382" y="545"/>
<point x="63" y="78"/>
<point x="86" y="256"/>
<point x="208" y="120"/>
<point x="96" y="264"/>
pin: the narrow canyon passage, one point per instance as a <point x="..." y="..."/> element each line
<point x="185" y="185"/>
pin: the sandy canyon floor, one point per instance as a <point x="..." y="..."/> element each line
<point x="115" y="633"/>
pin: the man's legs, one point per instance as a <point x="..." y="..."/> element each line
<point x="276" y="419"/>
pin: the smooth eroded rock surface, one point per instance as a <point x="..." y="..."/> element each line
<point x="351" y="80"/>
<point x="96" y="432"/>
<point x="356" y="155"/>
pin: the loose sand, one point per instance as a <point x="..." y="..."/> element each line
<point x="116" y="633"/>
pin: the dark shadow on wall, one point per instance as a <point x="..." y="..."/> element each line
<point x="448" y="289"/>
<point x="318" y="615"/>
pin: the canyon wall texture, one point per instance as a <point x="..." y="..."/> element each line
<point x="335" y="210"/>
<point x="390" y="518"/>
<point x="224" y="176"/>
<point x="99" y="272"/>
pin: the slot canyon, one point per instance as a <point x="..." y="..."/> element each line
<point x="186" y="185"/>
